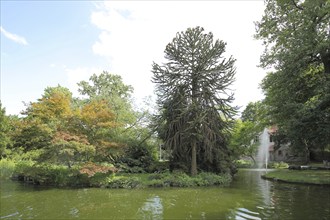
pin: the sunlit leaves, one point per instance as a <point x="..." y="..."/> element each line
<point x="244" y="139"/>
<point x="54" y="105"/>
<point x="4" y="131"/>
<point x="96" y="114"/>
<point x="295" y="33"/>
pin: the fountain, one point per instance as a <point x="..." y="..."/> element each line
<point x="262" y="156"/>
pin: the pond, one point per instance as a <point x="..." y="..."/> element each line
<point x="248" y="197"/>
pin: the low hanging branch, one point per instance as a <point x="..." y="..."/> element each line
<point x="192" y="95"/>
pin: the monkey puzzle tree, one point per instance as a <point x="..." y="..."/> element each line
<point x="195" y="111"/>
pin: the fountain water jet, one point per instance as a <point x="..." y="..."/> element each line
<point x="262" y="156"/>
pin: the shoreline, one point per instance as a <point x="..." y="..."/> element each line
<point x="305" y="177"/>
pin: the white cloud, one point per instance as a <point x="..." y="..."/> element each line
<point x="78" y="74"/>
<point x="134" y="34"/>
<point x="13" y="37"/>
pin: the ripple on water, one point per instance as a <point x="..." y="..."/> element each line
<point x="243" y="213"/>
<point x="10" y="215"/>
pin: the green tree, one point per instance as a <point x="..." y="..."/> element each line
<point x="32" y="135"/>
<point x="129" y="126"/>
<point x="299" y="103"/>
<point x="194" y="104"/>
<point x="296" y="34"/>
<point x="4" y="130"/>
<point x="245" y="139"/>
<point x="257" y="112"/>
<point x="297" y="38"/>
<point x="111" y="88"/>
<point x="53" y="106"/>
<point x="51" y="128"/>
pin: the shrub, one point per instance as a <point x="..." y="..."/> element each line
<point x="7" y="168"/>
<point x="181" y="179"/>
<point x="214" y="179"/>
<point x="158" y="167"/>
<point x="157" y="183"/>
<point x="244" y="163"/>
<point x="123" y="182"/>
<point x="91" y="169"/>
<point x="23" y="167"/>
<point x="280" y="165"/>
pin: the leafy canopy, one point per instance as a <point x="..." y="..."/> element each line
<point x="295" y="33"/>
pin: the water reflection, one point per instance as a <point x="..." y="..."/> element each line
<point x="274" y="200"/>
<point x="151" y="209"/>
<point x="249" y="197"/>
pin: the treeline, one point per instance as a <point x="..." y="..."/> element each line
<point x="102" y="127"/>
<point x="296" y="36"/>
<point x="102" y="130"/>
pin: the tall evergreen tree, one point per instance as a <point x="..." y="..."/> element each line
<point x="195" y="110"/>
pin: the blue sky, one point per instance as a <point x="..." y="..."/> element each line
<point x="46" y="43"/>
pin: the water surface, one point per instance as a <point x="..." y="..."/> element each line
<point x="248" y="197"/>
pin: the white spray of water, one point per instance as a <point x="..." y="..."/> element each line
<point x="262" y="156"/>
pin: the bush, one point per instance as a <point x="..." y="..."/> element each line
<point x="214" y="179"/>
<point x="157" y="183"/>
<point x="137" y="159"/>
<point x="158" y="167"/>
<point x="7" y="168"/>
<point x="181" y="179"/>
<point x="280" y="165"/>
<point x="123" y="182"/>
<point x="244" y="163"/>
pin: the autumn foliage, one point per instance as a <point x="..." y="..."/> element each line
<point x="91" y="169"/>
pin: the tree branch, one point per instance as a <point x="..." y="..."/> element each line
<point x="296" y="5"/>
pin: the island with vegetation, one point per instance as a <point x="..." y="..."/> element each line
<point x="102" y="139"/>
<point x="192" y="136"/>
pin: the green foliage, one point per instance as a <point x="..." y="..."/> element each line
<point x="7" y="168"/>
<point x="245" y="139"/>
<point x="127" y="127"/>
<point x="256" y="112"/>
<point x="67" y="151"/>
<point x="181" y="179"/>
<point x="299" y="105"/>
<point x="296" y="36"/>
<point x="159" y="167"/>
<point x="123" y="182"/>
<point x="193" y="116"/>
<point x="295" y="33"/>
<point x="102" y="175"/>
<point x="278" y="165"/>
<point x="4" y="130"/>
<point x="137" y="159"/>
<point x="33" y="135"/>
<point x="111" y="88"/>
<point x="244" y="163"/>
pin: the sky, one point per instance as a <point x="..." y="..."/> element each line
<point x="50" y="43"/>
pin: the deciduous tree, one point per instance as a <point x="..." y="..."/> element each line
<point x="296" y="34"/>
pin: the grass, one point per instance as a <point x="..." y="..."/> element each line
<point x="320" y="177"/>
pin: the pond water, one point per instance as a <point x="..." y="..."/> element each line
<point x="248" y="197"/>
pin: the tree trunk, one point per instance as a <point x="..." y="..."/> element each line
<point x="193" y="159"/>
<point x="254" y="161"/>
